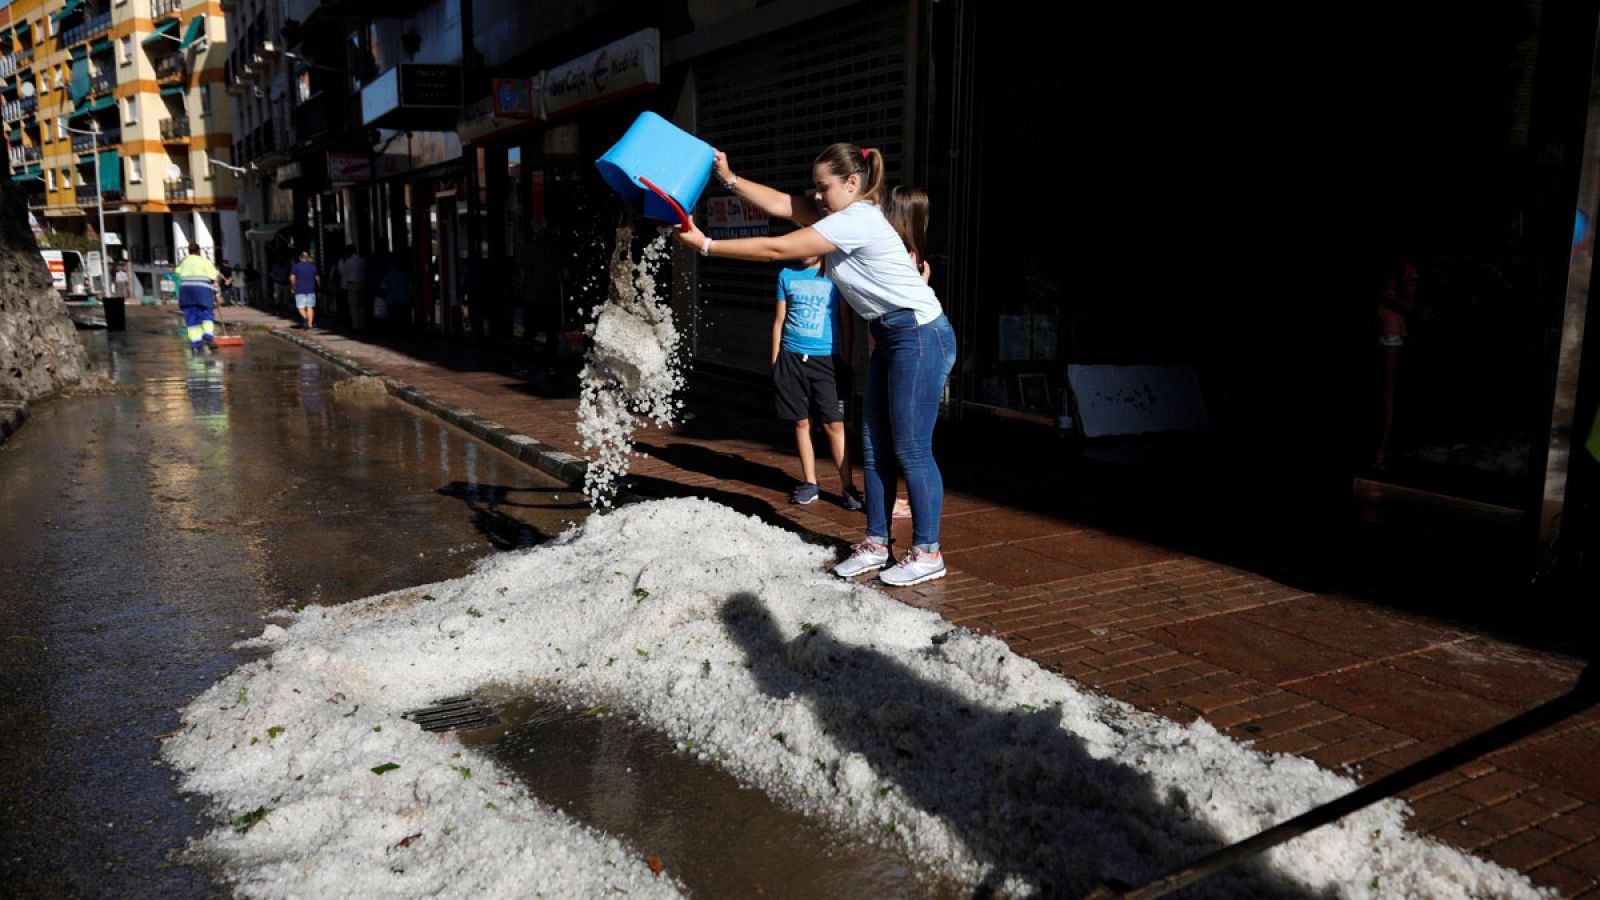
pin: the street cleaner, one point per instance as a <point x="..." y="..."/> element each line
<point x="197" y="279"/>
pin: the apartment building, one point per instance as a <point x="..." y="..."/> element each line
<point x="117" y="109"/>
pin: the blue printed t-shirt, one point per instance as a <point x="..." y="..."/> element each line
<point x="305" y="277"/>
<point x="811" y="322"/>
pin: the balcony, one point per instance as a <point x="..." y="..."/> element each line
<point x="169" y="69"/>
<point x="161" y="9"/>
<point x="311" y="118"/>
<point x="176" y="130"/>
<point x="8" y="66"/>
<point x="179" y="188"/>
<point x="102" y="83"/>
<point x="17" y="109"/>
<point x="94" y="27"/>
<point x="22" y="156"/>
<point x="24" y="57"/>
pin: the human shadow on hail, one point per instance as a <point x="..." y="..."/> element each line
<point x="1022" y="794"/>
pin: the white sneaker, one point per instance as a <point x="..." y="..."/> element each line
<point x="915" y="567"/>
<point x="864" y="557"/>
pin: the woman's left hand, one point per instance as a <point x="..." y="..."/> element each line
<point x="691" y="235"/>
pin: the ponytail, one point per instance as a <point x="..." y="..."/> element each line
<point x="844" y="160"/>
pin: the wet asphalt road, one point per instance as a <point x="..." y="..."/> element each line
<point x="142" y="534"/>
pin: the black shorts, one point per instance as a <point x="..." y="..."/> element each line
<point x="807" y="387"/>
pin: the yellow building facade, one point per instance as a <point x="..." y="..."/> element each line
<point x="129" y="96"/>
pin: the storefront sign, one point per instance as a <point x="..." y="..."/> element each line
<point x="58" y="268"/>
<point x="619" y="68"/>
<point x="510" y="104"/>
<point x="346" y="169"/>
<point x="731" y="217"/>
<point x="430" y="86"/>
<point x="513" y="98"/>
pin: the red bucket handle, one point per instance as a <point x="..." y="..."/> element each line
<point x="683" y="217"/>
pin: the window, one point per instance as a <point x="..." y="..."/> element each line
<point x="134" y="174"/>
<point x="52" y="31"/>
<point x="50" y="179"/>
<point x="60" y="78"/>
<point x="61" y="128"/>
<point x="130" y="110"/>
<point x="79" y="181"/>
<point x="204" y="159"/>
<point x="126" y="45"/>
<point x="205" y="99"/>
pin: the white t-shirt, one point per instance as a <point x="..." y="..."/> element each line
<point x="872" y="268"/>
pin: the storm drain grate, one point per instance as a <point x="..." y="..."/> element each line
<point x="453" y="714"/>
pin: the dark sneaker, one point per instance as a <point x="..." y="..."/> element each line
<point x="853" y="500"/>
<point x="805" y="492"/>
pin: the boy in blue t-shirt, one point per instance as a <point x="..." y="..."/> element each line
<point x="809" y="372"/>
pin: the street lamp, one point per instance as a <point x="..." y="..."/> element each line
<point x="100" y="207"/>
<point x="237" y="170"/>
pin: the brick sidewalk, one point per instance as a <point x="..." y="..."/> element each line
<point x="1328" y="677"/>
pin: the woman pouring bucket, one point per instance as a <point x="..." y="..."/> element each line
<point x="840" y="220"/>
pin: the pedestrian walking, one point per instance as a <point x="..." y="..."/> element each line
<point x="915" y="347"/>
<point x="306" y="283"/>
<point x="197" y="283"/>
<point x="810" y="373"/>
<point x="353" y="273"/>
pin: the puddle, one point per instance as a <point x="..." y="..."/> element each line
<point x="719" y="838"/>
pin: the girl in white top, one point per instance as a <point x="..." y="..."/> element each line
<point x="915" y="346"/>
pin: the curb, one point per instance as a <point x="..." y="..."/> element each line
<point x="559" y="464"/>
<point x="12" y="415"/>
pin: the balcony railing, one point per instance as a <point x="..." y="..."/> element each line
<point x="8" y="66"/>
<point x="175" y="128"/>
<point x="179" y="188"/>
<point x="24" y="57"/>
<point x="77" y="34"/>
<point x="163" y="8"/>
<point x="169" y="67"/>
<point x="100" y="84"/>
<point x="21" y="156"/>
<point x="83" y="143"/>
<point x="18" y="109"/>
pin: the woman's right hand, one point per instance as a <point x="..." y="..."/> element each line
<point x="720" y="165"/>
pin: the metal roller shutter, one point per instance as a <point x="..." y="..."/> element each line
<point x="773" y="106"/>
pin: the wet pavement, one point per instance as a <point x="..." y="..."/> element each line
<point x="719" y="838"/>
<point x="147" y="532"/>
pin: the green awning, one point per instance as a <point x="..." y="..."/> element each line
<point x="99" y="44"/>
<point x="165" y="28"/>
<point x="79" y="52"/>
<point x="172" y="90"/>
<point x="85" y="159"/>
<point x="102" y="103"/>
<point x="78" y="85"/>
<point x="69" y="9"/>
<point x="110" y="170"/>
<point x="197" y="29"/>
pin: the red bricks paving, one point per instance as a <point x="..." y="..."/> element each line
<point x="1356" y="687"/>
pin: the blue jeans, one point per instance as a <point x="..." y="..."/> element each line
<point x="905" y="382"/>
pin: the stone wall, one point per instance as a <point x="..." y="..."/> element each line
<point x="39" y="349"/>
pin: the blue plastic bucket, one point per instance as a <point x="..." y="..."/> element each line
<point x="659" y="169"/>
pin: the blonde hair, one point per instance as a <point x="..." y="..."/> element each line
<point x="844" y="160"/>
